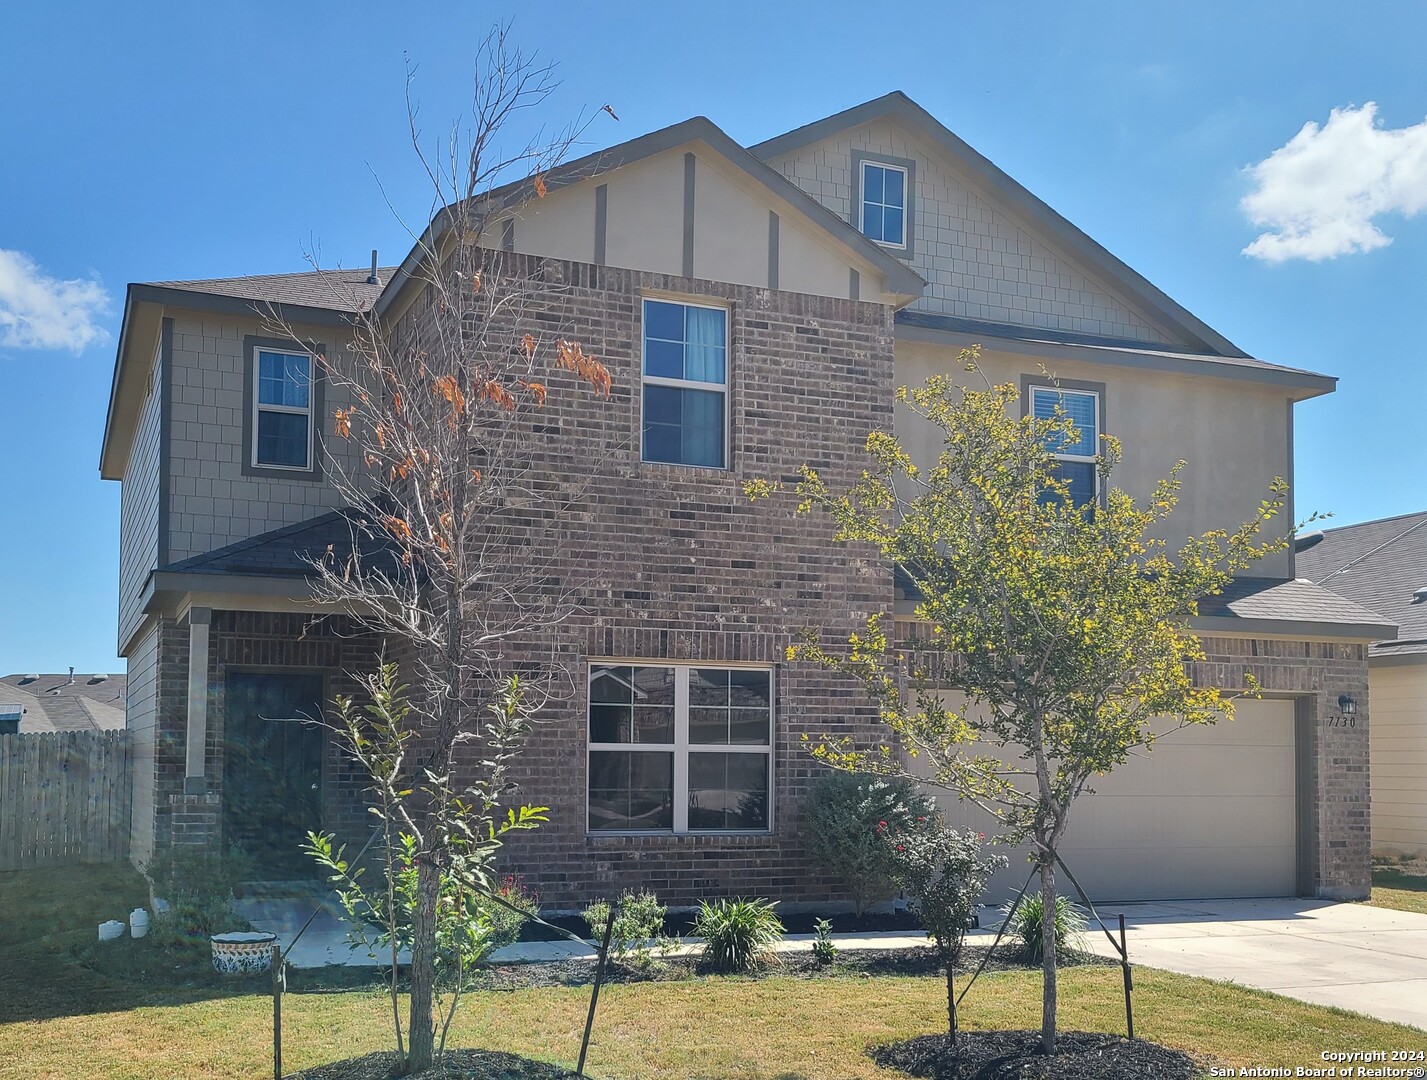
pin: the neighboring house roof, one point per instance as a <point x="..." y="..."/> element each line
<point x="55" y="703"/>
<point x="334" y="290"/>
<point x="289" y="551"/>
<point x="897" y="107"/>
<point x="1382" y="565"/>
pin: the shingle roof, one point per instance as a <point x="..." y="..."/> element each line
<point x="287" y="552"/>
<point x="54" y="703"/>
<point x="1268" y="599"/>
<point x="1106" y="348"/>
<point x="1289" y="601"/>
<point x="1380" y="564"/>
<point x="337" y="290"/>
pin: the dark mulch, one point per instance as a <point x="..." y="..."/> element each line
<point x="455" y="1065"/>
<point x="680" y="924"/>
<point x="1015" y="1055"/>
<point x="905" y="962"/>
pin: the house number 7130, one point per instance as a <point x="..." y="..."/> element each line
<point x="1342" y="721"/>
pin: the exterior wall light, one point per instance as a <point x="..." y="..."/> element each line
<point x="1346" y="705"/>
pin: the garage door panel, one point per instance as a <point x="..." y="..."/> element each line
<point x="1210" y="812"/>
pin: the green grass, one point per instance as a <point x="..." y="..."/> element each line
<point x="77" y="1014"/>
<point x="1398" y="890"/>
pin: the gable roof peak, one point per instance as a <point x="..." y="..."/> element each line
<point x="1003" y="189"/>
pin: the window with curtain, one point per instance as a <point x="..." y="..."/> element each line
<point x="685" y="384"/>
<point x="282" y="404"/>
<point x="884" y="203"/>
<point x="1075" y="458"/>
<point x="680" y="748"/>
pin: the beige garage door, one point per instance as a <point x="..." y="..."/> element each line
<point x="1209" y="813"/>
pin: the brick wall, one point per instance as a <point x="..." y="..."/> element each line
<point x="674" y="563"/>
<point x="1316" y="673"/>
<point x="251" y="641"/>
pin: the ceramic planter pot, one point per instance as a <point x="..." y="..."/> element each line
<point x="243" y="953"/>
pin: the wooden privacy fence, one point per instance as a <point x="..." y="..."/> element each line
<point x="64" y="798"/>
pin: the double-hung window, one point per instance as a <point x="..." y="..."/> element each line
<point x="680" y="748"/>
<point x="884" y="203"/>
<point x="1075" y="458"/>
<point x="685" y="384"/>
<point x="282" y="410"/>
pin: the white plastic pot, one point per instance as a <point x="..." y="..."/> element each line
<point x="138" y="922"/>
<point x="111" y="930"/>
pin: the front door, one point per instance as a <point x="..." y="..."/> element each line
<point x="272" y="769"/>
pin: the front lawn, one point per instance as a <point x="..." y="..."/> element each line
<point x="67" y="1021"/>
<point x="1398" y="889"/>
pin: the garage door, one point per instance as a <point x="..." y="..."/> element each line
<point x="1210" y="812"/>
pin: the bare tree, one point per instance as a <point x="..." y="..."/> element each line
<point x="453" y="517"/>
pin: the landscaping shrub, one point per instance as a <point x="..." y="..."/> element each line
<point x="638" y="933"/>
<point x="505" y="923"/>
<point x="1025" y="925"/>
<point x="198" y="885"/>
<point x="945" y="871"/>
<point x="824" y="948"/>
<point x="841" y="817"/>
<point x="738" y="934"/>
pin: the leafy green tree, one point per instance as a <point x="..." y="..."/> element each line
<point x="1059" y="633"/>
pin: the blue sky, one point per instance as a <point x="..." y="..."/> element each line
<point x="153" y="141"/>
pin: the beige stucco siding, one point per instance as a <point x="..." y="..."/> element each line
<point x="979" y="261"/>
<point x="1233" y="435"/>
<point x="645" y="223"/>
<point x="139" y="510"/>
<point x="1397" y="736"/>
<point x="212" y="502"/>
<point x="646" y="212"/>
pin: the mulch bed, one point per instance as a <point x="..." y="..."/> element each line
<point x="1015" y="1055"/>
<point x="800" y="965"/>
<point x="681" y="923"/>
<point x="455" y="1065"/>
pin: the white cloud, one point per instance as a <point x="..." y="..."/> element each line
<point x="42" y="312"/>
<point x="1317" y="195"/>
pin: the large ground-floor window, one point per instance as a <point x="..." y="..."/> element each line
<point x="680" y="748"/>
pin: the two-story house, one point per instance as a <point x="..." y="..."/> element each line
<point x="756" y="308"/>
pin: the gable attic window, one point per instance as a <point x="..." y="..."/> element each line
<point x="283" y="398"/>
<point x="884" y="203"/>
<point x="1075" y="460"/>
<point x="685" y="386"/>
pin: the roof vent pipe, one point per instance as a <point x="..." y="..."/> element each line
<point x="71" y="677"/>
<point x="372" y="277"/>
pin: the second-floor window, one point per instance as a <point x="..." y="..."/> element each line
<point x="1075" y="459"/>
<point x="884" y="203"/>
<point x="685" y="384"/>
<point x="282" y="406"/>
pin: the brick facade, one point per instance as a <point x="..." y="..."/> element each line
<point x="249" y="641"/>
<point x="673" y="563"/>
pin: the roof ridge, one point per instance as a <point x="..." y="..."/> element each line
<point x="1375" y="521"/>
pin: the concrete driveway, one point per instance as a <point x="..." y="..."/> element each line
<point x="1370" y="960"/>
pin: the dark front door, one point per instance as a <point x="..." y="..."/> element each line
<point x="272" y="771"/>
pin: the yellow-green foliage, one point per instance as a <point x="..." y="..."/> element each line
<point x="1064" y="629"/>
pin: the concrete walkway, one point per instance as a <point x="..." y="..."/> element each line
<point x="1370" y="960"/>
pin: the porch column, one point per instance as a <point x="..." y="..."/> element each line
<point x="197" y="737"/>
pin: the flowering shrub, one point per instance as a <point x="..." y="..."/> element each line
<point x="637" y="939"/>
<point x="841" y="818"/>
<point x="945" y="872"/>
